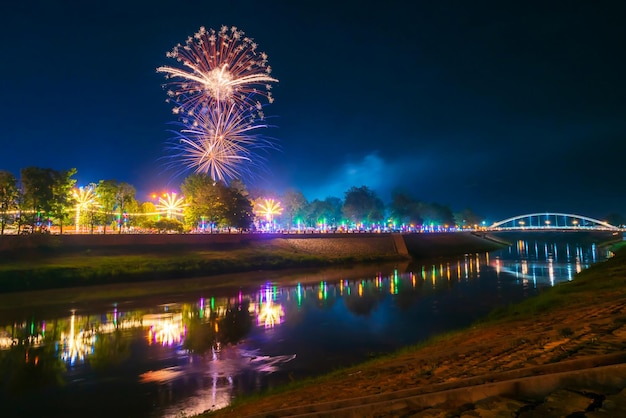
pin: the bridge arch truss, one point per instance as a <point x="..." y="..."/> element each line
<point x="549" y="220"/>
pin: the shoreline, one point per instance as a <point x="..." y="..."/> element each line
<point x="573" y="337"/>
<point x="442" y="360"/>
<point x="49" y="262"/>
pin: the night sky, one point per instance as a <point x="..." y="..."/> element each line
<point x="502" y="107"/>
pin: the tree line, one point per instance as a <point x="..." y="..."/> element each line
<point x="43" y="198"/>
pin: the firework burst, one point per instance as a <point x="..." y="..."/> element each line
<point x="217" y="93"/>
<point x="218" y="67"/>
<point x="220" y="142"/>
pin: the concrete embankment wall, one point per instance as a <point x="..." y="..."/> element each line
<point x="416" y="245"/>
<point x="448" y="244"/>
<point x="344" y="244"/>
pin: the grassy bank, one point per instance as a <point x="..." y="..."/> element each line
<point x="59" y="268"/>
<point x="57" y="262"/>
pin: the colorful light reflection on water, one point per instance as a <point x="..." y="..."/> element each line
<point x="180" y="355"/>
<point x="268" y="313"/>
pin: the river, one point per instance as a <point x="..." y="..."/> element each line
<point x="179" y="355"/>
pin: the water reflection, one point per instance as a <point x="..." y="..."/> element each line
<point x="535" y="263"/>
<point x="195" y="354"/>
<point x="30" y="362"/>
<point x="269" y="313"/>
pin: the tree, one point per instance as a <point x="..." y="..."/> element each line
<point x="106" y="191"/>
<point x="362" y="205"/>
<point x="37" y="195"/>
<point x="404" y="209"/>
<point x="202" y="201"/>
<point x="124" y="201"/>
<point x="334" y="214"/>
<point x="62" y="184"/>
<point x="294" y="204"/>
<point x="165" y="225"/>
<point x="323" y="212"/>
<point x="9" y="194"/>
<point x="468" y="219"/>
<point x="133" y="207"/>
<point x="148" y="215"/>
<point x="116" y="199"/>
<point x="437" y="214"/>
<point x="238" y="208"/>
<point x="216" y="204"/>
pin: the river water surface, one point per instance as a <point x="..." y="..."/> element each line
<point x="183" y="354"/>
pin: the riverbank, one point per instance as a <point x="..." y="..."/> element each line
<point x="32" y="263"/>
<point x="562" y="353"/>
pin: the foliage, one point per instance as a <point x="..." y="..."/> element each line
<point x="106" y="191"/>
<point x="116" y="199"/>
<point x="165" y="225"/>
<point x="62" y="184"/>
<point x="203" y="206"/>
<point x="46" y="194"/>
<point x="124" y="201"/>
<point x="238" y="213"/>
<point x="148" y="217"/>
<point x="404" y="210"/>
<point x="214" y="204"/>
<point x="294" y="203"/>
<point x="319" y="212"/>
<point x="437" y="214"/>
<point x="467" y="218"/>
<point x="37" y="194"/>
<point x="362" y="205"/>
<point x="9" y="194"/>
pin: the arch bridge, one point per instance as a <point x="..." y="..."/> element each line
<point x="552" y="221"/>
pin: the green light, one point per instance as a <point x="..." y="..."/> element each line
<point x="299" y="294"/>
